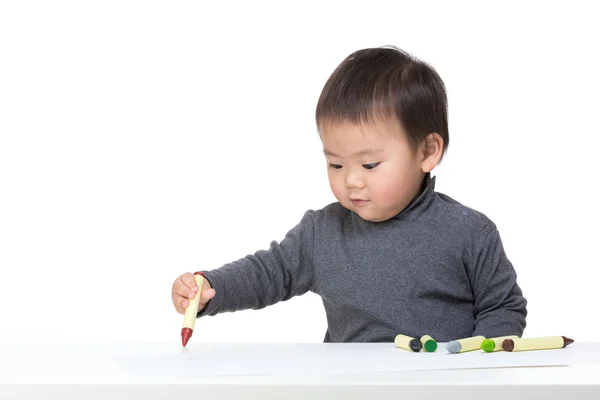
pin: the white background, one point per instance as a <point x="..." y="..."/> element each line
<point x="140" y="140"/>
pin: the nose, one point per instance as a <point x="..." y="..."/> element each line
<point x="354" y="180"/>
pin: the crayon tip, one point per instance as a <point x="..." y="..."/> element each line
<point x="453" y="347"/>
<point x="430" y="346"/>
<point x="508" y="345"/>
<point x="186" y="334"/>
<point x="567" y="341"/>
<point x="488" y="345"/>
<point x="415" y="345"/>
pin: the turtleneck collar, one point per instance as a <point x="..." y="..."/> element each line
<point x="421" y="201"/>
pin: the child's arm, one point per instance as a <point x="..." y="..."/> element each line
<point x="267" y="276"/>
<point x="500" y="308"/>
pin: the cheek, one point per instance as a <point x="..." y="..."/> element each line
<point x="387" y="186"/>
<point x="336" y="183"/>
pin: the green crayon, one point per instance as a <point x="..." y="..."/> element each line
<point x="428" y="343"/>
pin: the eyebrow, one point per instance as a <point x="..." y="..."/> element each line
<point x="358" y="153"/>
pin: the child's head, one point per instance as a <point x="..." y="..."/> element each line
<point x="382" y="118"/>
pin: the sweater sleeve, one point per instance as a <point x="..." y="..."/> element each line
<point x="266" y="277"/>
<point x="499" y="305"/>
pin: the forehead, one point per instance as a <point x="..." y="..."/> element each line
<point x="347" y="138"/>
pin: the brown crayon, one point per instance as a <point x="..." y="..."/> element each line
<point x="536" y="343"/>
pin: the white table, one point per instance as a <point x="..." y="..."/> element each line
<point x="272" y="371"/>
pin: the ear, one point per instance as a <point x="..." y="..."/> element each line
<point x="431" y="151"/>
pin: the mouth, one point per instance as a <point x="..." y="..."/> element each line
<point x="359" y="202"/>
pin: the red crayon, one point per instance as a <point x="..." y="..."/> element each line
<point x="191" y="311"/>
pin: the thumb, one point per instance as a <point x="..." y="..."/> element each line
<point x="206" y="295"/>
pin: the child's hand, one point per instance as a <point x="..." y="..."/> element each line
<point x="185" y="289"/>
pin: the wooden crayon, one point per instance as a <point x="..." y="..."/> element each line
<point x="464" y="345"/>
<point x="407" y="343"/>
<point x="536" y="343"/>
<point x="428" y="343"/>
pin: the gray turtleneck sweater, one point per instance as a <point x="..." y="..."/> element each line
<point x="436" y="268"/>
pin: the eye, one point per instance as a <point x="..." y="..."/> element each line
<point x="334" y="166"/>
<point x="370" y="166"/>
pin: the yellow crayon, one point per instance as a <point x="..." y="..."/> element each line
<point x="466" y="344"/>
<point x="495" y="344"/>
<point x="428" y="343"/>
<point x="407" y="343"/>
<point x="536" y="343"/>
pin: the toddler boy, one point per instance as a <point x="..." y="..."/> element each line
<point x="392" y="255"/>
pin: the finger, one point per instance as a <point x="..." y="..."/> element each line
<point x="180" y="303"/>
<point x="179" y="286"/>
<point x="183" y="303"/>
<point x="177" y="299"/>
<point x="185" y="288"/>
<point x="189" y="281"/>
<point x="182" y="291"/>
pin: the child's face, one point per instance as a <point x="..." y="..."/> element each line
<point x="372" y="169"/>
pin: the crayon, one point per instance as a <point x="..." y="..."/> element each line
<point x="495" y="344"/>
<point x="191" y="311"/>
<point x="407" y="343"/>
<point x="466" y="344"/>
<point x="539" y="343"/>
<point x="428" y="343"/>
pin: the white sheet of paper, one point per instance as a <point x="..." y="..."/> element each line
<point x="292" y="360"/>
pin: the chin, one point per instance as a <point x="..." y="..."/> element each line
<point x="371" y="218"/>
<point x="380" y="219"/>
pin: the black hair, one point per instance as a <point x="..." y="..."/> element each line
<point x="378" y="83"/>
